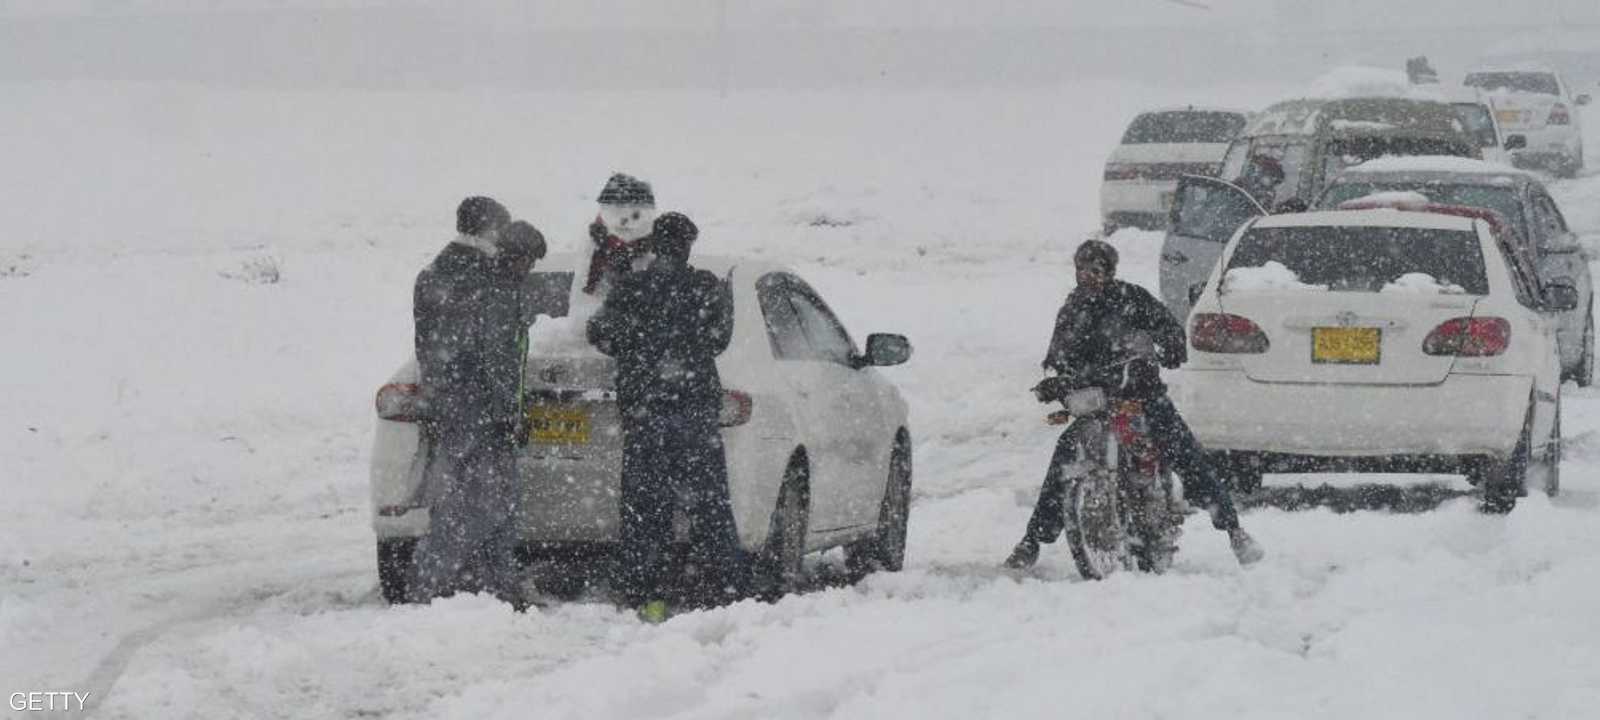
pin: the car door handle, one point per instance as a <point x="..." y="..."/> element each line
<point x="1174" y="257"/>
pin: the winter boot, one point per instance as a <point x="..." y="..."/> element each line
<point x="1023" y="556"/>
<point x="1245" y="547"/>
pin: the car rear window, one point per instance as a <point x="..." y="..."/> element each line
<point x="1502" y="200"/>
<point x="1530" y="82"/>
<point x="1187" y="126"/>
<point x="1365" y="259"/>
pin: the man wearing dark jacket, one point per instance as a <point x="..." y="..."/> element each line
<point x="471" y="346"/>
<point x="666" y="325"/>
<point x="1093" y="332"/>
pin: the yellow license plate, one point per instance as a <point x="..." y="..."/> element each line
<point x="1351" y="346"/>
<point x="1509" y="116"/>
<point x="558" y="425"/>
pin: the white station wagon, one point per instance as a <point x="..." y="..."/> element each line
<point x="818" y="445"/>
<point x="1378" y="341"/>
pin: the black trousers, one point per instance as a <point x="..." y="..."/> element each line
<point x="1180" y="452"/>
<point x="672" y="457"/>
<point x="472" y="494"/>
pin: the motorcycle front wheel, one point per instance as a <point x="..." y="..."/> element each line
<point x="1094" y="528"/>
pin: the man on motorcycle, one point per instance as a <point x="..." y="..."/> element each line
<point x="1090" y="331"/>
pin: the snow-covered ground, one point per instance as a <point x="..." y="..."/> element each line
<point x="201" y="289"/>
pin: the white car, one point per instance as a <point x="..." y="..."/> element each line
<point x="1535" y="102"/>
<point x="1156" y="149"/>
<point x="818" y="443"/>
<point x="1377" y="341"/>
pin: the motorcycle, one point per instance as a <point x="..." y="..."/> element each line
<point x="1121" y="513"/>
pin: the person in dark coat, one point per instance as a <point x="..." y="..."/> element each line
<point x="471" y="346"/>
<point x="1091" y="332"/>
<point x="666" y="325"/>
<point x="1261" y="178"/>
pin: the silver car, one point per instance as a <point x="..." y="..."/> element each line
<point x="1525" y="203"/>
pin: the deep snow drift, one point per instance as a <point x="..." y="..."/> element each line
<point x="204" y="288"/>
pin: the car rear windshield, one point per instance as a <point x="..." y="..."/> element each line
<point x="1530" y="82"/>
<point x="1365" y="259"/>
<point x="1186" y="126"/>
<point x="1502" y="200"/>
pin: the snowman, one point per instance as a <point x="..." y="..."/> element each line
<point x="620" y="232"/>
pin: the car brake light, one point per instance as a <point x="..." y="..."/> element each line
<point x="398" y="402"/>
<point x="1469" y="337"/>
<point x="1117" y="171"/>
<point x="1559" y="115"/>
<point x="736" y="408"/>
<point x="1226" y="333"/>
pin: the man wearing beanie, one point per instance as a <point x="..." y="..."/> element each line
<point x="470" y="350"/>
<point x="666" y="325"/>
<point x="1098" y="317"/>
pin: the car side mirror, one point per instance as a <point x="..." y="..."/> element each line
<point x="1583" y="99"/>
<point x="1516" y="142"/>
<point x="1560" y="294"/>
<point x="1195" y="291"/>
<point x="885" y="349"/>
<point x="1562" y="244"/>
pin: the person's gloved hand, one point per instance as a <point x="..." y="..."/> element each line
<point x="598" y="232"/>
<point x="1052" y="389"/>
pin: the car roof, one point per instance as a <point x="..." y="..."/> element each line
<point x="1514" y="66"/>
<point x="1194" y="108"/>
<point x="1357" y="115"/>
<point x="718" y="265"/>
<point x="1368" y="218"/>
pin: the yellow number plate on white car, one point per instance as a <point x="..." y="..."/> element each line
<point x="558" y="425"/>
<point x="1509" y="116"/>
<point x="1349" y="346"/>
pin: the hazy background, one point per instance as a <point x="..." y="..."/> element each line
<point x="734" y="45"/>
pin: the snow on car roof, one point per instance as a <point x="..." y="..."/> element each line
<point x="1194" y="108"/>
<point x="1360" y="81"/>
<point x="1434" y="164"/>
<point x="1383" y="217"/>
<point x="1528" y="66"/>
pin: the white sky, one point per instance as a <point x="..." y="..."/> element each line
<point x="908" y="13"/>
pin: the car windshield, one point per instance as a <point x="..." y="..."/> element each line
<point x="1479" y="122"/>
<point x="1502" y="200"/>
<point x="1187" y="126"/>
<point x="1529" y="82"/>
<point x="1365" y="259"/>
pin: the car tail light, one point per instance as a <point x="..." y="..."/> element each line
<point x="398" y="402"/>
<point x="736" y="408"/>
<point x="1117" y="171"/>
<point x="1469" y="337"/>
<point x="1225" y="333"/>
<point x="1559" y="115"/>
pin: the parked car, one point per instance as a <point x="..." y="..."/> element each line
<point x="1378" y="341"/>
<point x="1534" y="101"/>
<point x="1312" y="141"/>
<point x="1157" y="147"/>
<point x="818" y="440"/>
<point x="1535" y="223"/>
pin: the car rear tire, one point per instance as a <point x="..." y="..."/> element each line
<point x="1505" y="480"/>
<point x="886" y="549"/>
<point x="780" y="567"/>
<point x="394" y="568"/>
<point x="1552" y="456"/>
<point x="1584" y="374"/>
